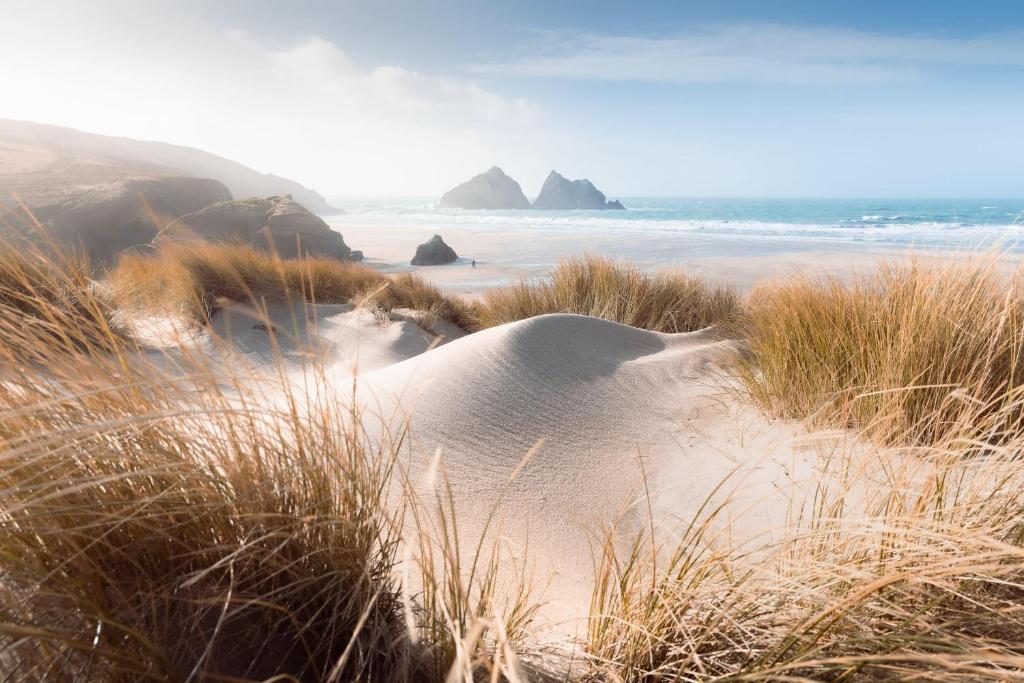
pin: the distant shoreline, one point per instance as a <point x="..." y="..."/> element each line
<point x="505" y="256"/>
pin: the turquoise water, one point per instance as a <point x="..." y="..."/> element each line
<point x="961" y="223"/>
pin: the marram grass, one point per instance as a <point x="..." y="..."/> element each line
<point x="170" y="525"/>
<point x="155" y="525"/>
<point x="902" y="565"/>
<point x="196" y="280"/>
<point x="602" y="288"/>
<point x="910" y="351"/>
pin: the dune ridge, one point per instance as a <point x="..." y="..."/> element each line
<point x="560" y="425"/>
<point x="577" y="417"/>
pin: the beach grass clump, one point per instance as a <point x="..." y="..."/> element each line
<point x="53" y="295"/>
<point x="151" y="529"/>
<point x="603" y="288"/>
<point x="409" y="290"/>
<point x="173" y="525"/>
<point x="910" y="351"/>
<point x="900" y="565"/>
<point x="197" y="280"/>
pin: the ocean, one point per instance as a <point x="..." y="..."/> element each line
<point x="742" y="240"/>
<point x="957" y="223"/>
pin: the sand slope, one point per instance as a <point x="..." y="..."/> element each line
<point x="562" y="425"/>
<point x="613" y="406"/>
<point x="292" y="337"/>
<point x="339" y="335"/>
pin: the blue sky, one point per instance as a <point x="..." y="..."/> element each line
<point x="659" y="98"/>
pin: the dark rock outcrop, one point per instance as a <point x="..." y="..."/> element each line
<point x="489" y="190"/>
<point x="561" y="193"/>
<point x="106" y="217"/>
<point x="434" y="252"/>
<point x="277" y="223"/>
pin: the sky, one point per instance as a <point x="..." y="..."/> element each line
<point x="360" y="98"/>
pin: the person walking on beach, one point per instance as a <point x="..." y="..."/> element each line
<point x="474" y="263"/>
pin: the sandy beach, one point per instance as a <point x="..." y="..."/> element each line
<point x="503" y="257"/>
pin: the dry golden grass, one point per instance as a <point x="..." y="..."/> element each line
<point x="613" y="291"/>
<point x="176" y="525"/>
<point x="196" y="280"/>
<point x="906" y="351"/>
<point x="903" y="565"/>
<point x="147" y="535"/>
<point x="156" y="526"/>
<point x="51" y="294"/>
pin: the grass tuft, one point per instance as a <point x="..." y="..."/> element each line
<point x="612" y="291"/>
<point x="909" y="352"/>
<point x="153" y="529"/>
<point x="52" y="298"/>
<point x="901" y="565"/>
<point x="167" y="522"/>
<point x="197" y="280"/>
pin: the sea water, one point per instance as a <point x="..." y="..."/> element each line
<point x="952" y="223"/>
<point x="722" y="238"/>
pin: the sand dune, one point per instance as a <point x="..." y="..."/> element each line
<point x="598" y="408"/>
<point x="561" y="424"/>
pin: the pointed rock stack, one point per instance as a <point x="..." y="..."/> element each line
<point x="491" y="189"/>
<point x="561" y="193"/>
<point x="495" y="190"/>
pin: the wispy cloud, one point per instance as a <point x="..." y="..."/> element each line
<point x="757" y="53"/>
<point x="323" y="66"/>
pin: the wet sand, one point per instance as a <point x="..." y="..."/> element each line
<point x="503" y="257"/>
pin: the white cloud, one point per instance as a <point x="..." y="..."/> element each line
<point x="321" y="65"/>
<point x="757" y="53"/>
<point x="305" y="109"/>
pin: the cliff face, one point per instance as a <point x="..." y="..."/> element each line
<point x="154" y="158"/>
<point x="115" y="212"/>
<point x="277" y="223"/>
<point x="106" y="194"/>
<point x="489" y="190"/>
<point x="561" y="193"/>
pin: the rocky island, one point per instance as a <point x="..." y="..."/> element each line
<point x="561" y="193"/>
<point x="495" y="190"/>
<point x="491" y="189"/>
